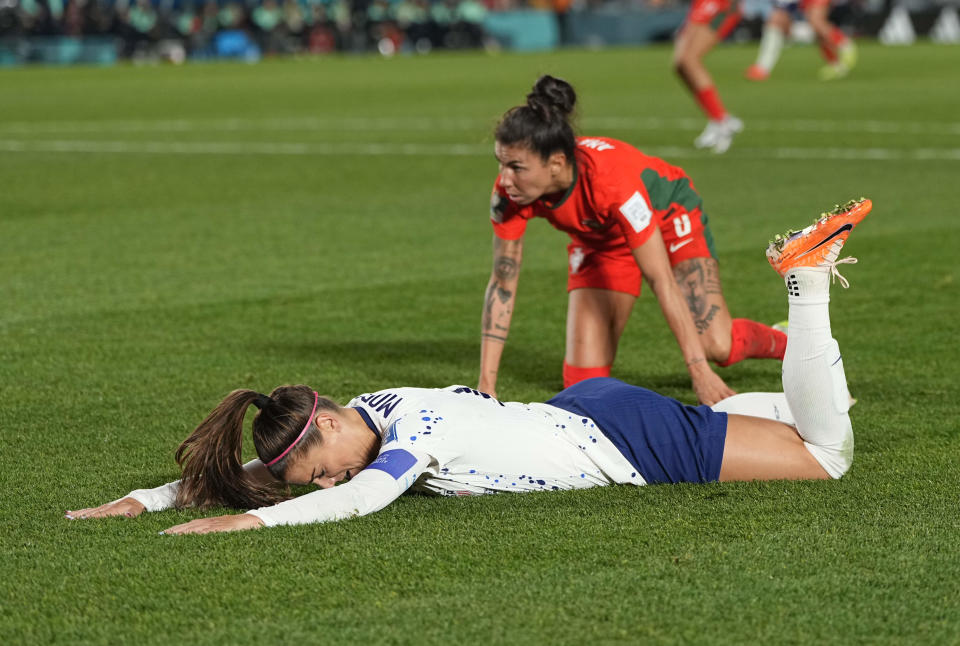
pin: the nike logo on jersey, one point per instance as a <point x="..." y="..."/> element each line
<point x="676" y="245"/>
<point x="846" y="227"/>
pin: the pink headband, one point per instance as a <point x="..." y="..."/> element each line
<point x="316" y="398"/>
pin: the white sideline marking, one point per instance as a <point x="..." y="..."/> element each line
<point x="363" y="124"/>
<point x="444" y="150"/>
<point x="786" y="125"/>
<point x="243" y="148"/>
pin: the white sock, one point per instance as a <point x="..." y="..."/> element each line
<point x="771" y="44"/>
<point x="813" y="379"/>
<point x="767" y="405"/>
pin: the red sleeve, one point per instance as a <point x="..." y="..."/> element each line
<point x="636" y="218"/>
<point x="509" y="219"/>
<point x="624" y="198"/>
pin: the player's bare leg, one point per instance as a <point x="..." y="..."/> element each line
<point x="764" y="449"/>
<point x="838" y="50"/>
<point x="693" y="43"/>
<point x="725" y="340"/>
<point x="699" y="281"/>
<point x="813" y="377"/>
<point x="596" y="319"/>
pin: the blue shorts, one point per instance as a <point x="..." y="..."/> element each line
<point x="665" y="440"/>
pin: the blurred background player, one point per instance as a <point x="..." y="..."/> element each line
<point x="708" y="23"/>
<point x="630" y="217"/>
<point x="837" y="48"/>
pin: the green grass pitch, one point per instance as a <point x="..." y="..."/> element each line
<point x="168" y="234"/>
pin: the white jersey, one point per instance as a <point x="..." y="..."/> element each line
<point x="476" y="444"/>
<point x="454" y="441"/>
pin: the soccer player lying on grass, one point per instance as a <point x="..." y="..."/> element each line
<point x="460" y="441"/>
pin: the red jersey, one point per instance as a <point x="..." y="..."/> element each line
<point x="618" y="195"/>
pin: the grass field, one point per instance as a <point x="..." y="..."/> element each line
<point x="169" y="234"/>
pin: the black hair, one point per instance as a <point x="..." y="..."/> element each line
<point x="544" y="123"/>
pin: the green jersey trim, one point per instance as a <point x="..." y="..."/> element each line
<point x="663" y="192"/>
<point x="556" y="205"/>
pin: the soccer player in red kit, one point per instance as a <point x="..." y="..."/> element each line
<point x="629" y="216"/>
<point x="708" y="23"/>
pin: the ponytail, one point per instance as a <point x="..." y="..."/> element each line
<point x="210" y="457"/>
<point x="543" y="124"/>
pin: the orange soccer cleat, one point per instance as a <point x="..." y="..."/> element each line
<point x="757" y="73"/>
<point x="819" y="244"/>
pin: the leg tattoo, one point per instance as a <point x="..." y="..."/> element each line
<point x="698" y="279"/>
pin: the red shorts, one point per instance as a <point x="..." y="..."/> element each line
<point x="685" y="235"/>
<point x="720" y="15"/>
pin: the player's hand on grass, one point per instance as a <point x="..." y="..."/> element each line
<point x="230" y="523"/>
<point x="124" y="507"/>
<point x="708" y="386"/>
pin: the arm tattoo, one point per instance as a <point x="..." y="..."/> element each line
<point x="499" y="299"/>
<point x="494" y="337"/>
<point x="488" y="308"/>
<point x="494" y="293"/>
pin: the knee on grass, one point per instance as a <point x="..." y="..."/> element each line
<point x="836" y="458"/>
<point x="717" y="345"/>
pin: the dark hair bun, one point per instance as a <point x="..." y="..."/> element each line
<point x="552" y="96"/>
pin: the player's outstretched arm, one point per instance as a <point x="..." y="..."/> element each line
<point x="382" y="482"/>
<point x="652" y="259"/>
<point x="156" y="499"/>
<point x="127" y="507"/>
<point x="231" y="523"/>
<point x="498" y="309"/>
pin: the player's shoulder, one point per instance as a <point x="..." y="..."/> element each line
<point x="609" y="171"/>
<point x="608" y="154"/>
<point x="602" y="144"/>
<point x="605" y="163"/>
<point x="388" y="403"/>
<point x="604" y="151"/>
